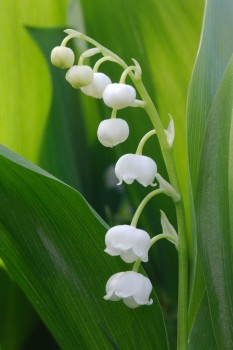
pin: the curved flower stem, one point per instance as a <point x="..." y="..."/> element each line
<point x="137" y="103"/>
<point x="182" y="336"/>
<point x="102" y="60"/>
<point x="114" y="113"/>
<point x="87" y="54"/>
<point x="142" y="206"/>
<point x="143" y="141"/>
<point x="153" y="241"/>
<point x="72" y="34"/>
<point x="161" y="236"/>
<point x="136" y="265"/>
<point x="125" y="73"/>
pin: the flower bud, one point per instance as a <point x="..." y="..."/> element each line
<point x="133" y="288"/>
<point x="62" y="57"/>
<point x="129" y="242"/>
<point x="79" y="76"/>
<point x="112" y="131"/>
<point x="96" y="88"/>
<point x="132" y="167"/>
<point x="118" y="96"/>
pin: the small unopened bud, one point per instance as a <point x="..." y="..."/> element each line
<point x="113" y="131"/>
<point x="118" y="96"/>
<point x="79" y="76"/>
<point x="96" y="88"/>
<point x="62" y="57"/>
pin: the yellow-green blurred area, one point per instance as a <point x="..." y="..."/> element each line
<point x="50" y="124"/>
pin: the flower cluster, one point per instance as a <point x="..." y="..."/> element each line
<point x="127" y="241"/>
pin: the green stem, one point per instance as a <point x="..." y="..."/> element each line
<point x="100" y="61"/>
<point x="136" y="265"/>
<point x="142" y="206"/>
<point x="114" y="113"/>
<point x="182" y="327"/>
<point x="153" y="241"/>
<point x="125" y="73"/>
<point x="87" y="54"/>
<point x="161" y="236"/>
<point x="143" y="141"/>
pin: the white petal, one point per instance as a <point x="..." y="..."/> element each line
<point x="129" y="242"/>
<point x="79" y="76"/>
<point x="111" y="285"/>
<point x="125" y="168"/>
<point x="133" y="284"/>
<point x="112" y="251"/>
<point x="62" y="57"/>
<point x="98" y="85"/>
<point x="120" y="236"/>
<point x="143" y="291"/>
<point x="147" y="170"/>
<point x="118" y="96"/>
<point x="112" y="131"/>
<point x="136" y="167"/>
<point x="130" y="286"/>
<point x="130" y="302"/>
<point x="141" y="244"/>
<point x="128" y="256"/>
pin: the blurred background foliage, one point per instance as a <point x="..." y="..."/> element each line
<point x="46" y="121"/>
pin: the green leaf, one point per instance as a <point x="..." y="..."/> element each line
<point x="214" y="211"/>
<point x="202" y="335"/>
<point x="24" y="102"/>
<point x="215" y="50"/>
<point x="17" y="318"/>
<point x="52" y="242"/>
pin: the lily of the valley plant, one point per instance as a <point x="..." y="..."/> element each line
<point x="130" y="242"/>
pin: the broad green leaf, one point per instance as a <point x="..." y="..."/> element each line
<point x="202" y="336"/>
<point x="214" y="211"/>
<point x="17" y="319"/>
<point x="24" y="103"/>
<point x="52" y="243"/>
<point x="215" y="50"/>
<point x="216" y="47"/>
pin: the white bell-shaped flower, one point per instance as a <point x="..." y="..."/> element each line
<point x="118" y="96"/>
<point x="132" y="167"/>
<point x="62" y="57"/>
<point x="133" y="288"/>
<point x="96" y="88"/>
<point x="112" y="131"/>
<point x="129" y="242"/>
<point x="79" y="76"/>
